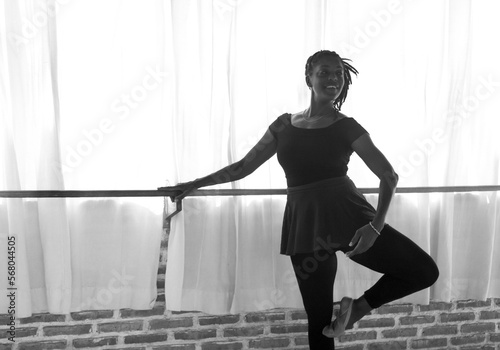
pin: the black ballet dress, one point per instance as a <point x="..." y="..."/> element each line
<point x="324" y="208"/>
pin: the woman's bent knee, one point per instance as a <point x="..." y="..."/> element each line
<point x="429" y="274"/>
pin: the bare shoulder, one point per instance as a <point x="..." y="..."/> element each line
<point x="297" y="117"/>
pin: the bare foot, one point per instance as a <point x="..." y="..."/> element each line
<point x="359" y="309"/>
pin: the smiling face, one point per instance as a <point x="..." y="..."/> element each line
<point x="326" y="79"/>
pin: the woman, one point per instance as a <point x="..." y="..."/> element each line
<point x="325" y="213"/>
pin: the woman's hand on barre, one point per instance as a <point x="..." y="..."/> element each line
<point x="182" y="190"/>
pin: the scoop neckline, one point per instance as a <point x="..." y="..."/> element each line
<point x="325" y="127"/>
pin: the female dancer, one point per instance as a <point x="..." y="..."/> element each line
<point x="325" y="212"/>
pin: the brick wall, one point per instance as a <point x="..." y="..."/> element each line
<point x="464" y="325"/>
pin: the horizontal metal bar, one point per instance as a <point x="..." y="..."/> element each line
<point x="231" y="192"/>
<point x="83" y="193"/>
<point x="225" y="192"/>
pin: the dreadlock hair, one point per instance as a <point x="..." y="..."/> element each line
<point x="348" y="69"/>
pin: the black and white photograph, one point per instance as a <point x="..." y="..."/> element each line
<point x="249" y="174"/>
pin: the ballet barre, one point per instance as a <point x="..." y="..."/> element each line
<point x="219" y="192"/>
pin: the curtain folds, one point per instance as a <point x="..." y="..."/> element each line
<point x="70" y="254"/>
<point x="426" y="93"/>
<point x="31" y="153"/>
<point x="175" y="90"/>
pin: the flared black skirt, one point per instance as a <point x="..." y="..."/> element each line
<point x="323" y="215"/>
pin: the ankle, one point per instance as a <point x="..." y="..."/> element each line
<point x="360" y="309"/>
<point x="363" y="305"/>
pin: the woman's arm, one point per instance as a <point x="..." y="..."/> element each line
<point x="380" y="166"/>
<point x="258" y="155"/>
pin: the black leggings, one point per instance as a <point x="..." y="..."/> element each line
<point x="406" y="268"/>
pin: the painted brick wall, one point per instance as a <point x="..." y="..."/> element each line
<point x="460" y="325"/>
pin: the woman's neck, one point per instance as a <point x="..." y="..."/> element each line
<point x="318" y="109"/>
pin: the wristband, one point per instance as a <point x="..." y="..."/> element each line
<point x="374" y="229"/>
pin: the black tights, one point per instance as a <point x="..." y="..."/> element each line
<point x="406" y="268"/>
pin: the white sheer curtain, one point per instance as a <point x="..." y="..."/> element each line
<point x="30" y="145"/>
<point x="428" y="92"/>
<point x="178" y="89"/>
<point x="64" y="126"/>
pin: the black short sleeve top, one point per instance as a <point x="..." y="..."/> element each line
<point x="310" y="155"/>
